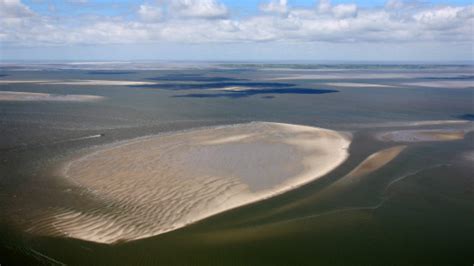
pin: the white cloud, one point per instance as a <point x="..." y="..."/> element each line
<point x="208" y="21"/>
<point x="78" y="1"/>
<point x="150" y="13"/>
<point x="345" y="11"/>
<point x="441" y="18"/>
<point x="275" y="6"/>
<point x="324" y="6"/>
<point x="199" y="8"/>
<point x="14" y="9"/>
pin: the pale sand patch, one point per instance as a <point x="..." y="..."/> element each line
<point x="358" y="85"/>
<point x="448" y="84"/>
<point x="342" y="76"/>
<point x="160" y="183"/>
<point x="411" y="123"/>
<point x="371" y="164"/>
<point x="84" y="82"/>
<point x="35" y="96"/>
<point x="421" y="135"/>
<point x="232" y="88"/>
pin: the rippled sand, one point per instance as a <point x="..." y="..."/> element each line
<point x="160" y="183"/>
<point x="35" y="96"/>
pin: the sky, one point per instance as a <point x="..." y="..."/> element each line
<point x="245" y="30"/>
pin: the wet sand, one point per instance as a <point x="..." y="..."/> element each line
<point x="35" y="96"/>
<point x="447" y="84"/>
<point x="421" y="135"/>
<point x="84" y="82"/>
<point x="371" y="164"/>
<point x="157" y="184"/>
<point x="358" y="85"/>
<point x="374" y="162"/>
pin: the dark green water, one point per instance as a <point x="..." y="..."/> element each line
<point x="417" y="210"/>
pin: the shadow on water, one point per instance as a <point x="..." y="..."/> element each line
<point x="215" y="85"/>
<point x="247" y="93"/>
<point x="469" y="117"/>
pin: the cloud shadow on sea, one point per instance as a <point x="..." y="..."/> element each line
<point x="214" y="85"/>
<point x="469" y="117"/>
<point x="247" y="93"/>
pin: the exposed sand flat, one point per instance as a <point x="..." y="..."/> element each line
<point x="434" y="122"/>
<point x="371" y="164"/>
<point x="448" y="84"/>
<point x="85" y="82"/>
<point x="374" y="162"/>
<point x="157" y="184"/>
<point x="232" y="88"/>
<point x="35" y="96"/>
<point x="411" y="123"/>
<point x="358" y="85"/>
<point x="342" y="76"/>
<point x="421" y="135"/>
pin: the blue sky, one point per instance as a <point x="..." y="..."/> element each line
<point x="120" y="6"/>
<point x="380" y="30"/>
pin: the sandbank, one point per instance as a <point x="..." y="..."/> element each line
<point x="83" y="82"/>
<point x="421" y="135"/>
<point x="157" y="184"/>
<point x="358" y="85"/>
<point x="35" y="96"/>
<point x="447" y="84"/>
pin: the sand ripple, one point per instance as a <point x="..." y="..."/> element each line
<point x="157" y="184"/>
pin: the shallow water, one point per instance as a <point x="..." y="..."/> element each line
<point x="417" y="209"/>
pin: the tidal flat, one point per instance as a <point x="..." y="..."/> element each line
<point x="218" y="164"/>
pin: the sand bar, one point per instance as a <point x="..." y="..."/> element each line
<point x="446" y="84"/>
<point x="35" y="96"/>
<point x="422" y="135"/>
<point x="364" y="75"/>
<point x="83" y="82"/>
<point x="374" y="162"/>
<point x="371" y="164"/>
<point x="358" y="85"/>
<point x="157" y="184"/>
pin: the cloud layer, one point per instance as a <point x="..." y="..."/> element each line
<point x="210" y="21"/>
